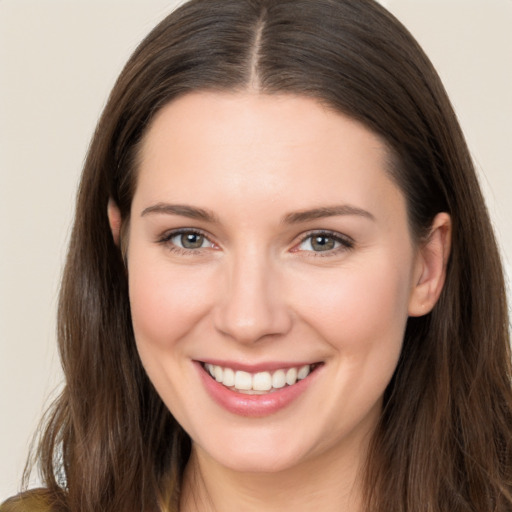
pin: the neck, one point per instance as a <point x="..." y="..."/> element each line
<point x="331" y="482"/>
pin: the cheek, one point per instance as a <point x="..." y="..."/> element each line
<point x="165" y="302"/>
<point x="166" y="305"/>
<point x="361" y="313"/>
<point x="358" y="307"/>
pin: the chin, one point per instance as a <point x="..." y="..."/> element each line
<point x="265" y="452"/>
<point x="259" y="463"/>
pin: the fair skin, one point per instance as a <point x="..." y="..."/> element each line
<point x="266" y="237"/>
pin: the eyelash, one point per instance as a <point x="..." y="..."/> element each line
<point x="345" y="243"/>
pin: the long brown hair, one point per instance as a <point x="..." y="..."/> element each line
<point x="443" y="442"/>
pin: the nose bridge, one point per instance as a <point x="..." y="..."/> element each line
<point x="252" y="306"/>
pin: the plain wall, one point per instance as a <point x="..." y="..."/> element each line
<point x="58" y="61"/>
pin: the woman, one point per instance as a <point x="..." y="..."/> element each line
<point x="282" y="288"/>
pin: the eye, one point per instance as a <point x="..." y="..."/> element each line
<point x="324" y="242"/>
<point x="186" y="240"/>
<point x="190" y="240"/>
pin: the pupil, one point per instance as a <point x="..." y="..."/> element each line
<point x="322" y="243"/>
<point x="192" y="241"/>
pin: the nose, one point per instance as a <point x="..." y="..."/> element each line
<point x="251" y="305"/>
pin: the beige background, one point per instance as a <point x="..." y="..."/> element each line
<point x="58" y="61"/>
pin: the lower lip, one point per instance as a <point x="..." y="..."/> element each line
<point x="254" y="405"/>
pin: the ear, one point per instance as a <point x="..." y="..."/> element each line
<point x="114" y="219"/>
<point x="430" y="268"/>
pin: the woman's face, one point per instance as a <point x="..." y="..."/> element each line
<point x="269" y="247"/>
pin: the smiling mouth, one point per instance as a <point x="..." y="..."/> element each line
<point x="259" y="383"/>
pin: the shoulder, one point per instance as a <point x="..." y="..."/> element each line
<point x="35" y="500"/>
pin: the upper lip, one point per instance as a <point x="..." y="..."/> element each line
<point x="267" y="366"/>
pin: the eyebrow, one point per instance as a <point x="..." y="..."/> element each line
<point x="193" y="212"/>
<point x="182" y="210"/>
<point x="326" y="211"/>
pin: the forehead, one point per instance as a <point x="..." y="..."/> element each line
<point x="277" y="120"/>
<point x="253" y="149"/>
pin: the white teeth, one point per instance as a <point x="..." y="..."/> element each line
<point x="229" y="377"/>
<point x="291" y="376"/>
<point x="279" y="379"/>
<point x="243" y="380"/>
<point x="258" y="382"/>
<point x="262" y="382"/>
<point x="303" y="372"/>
